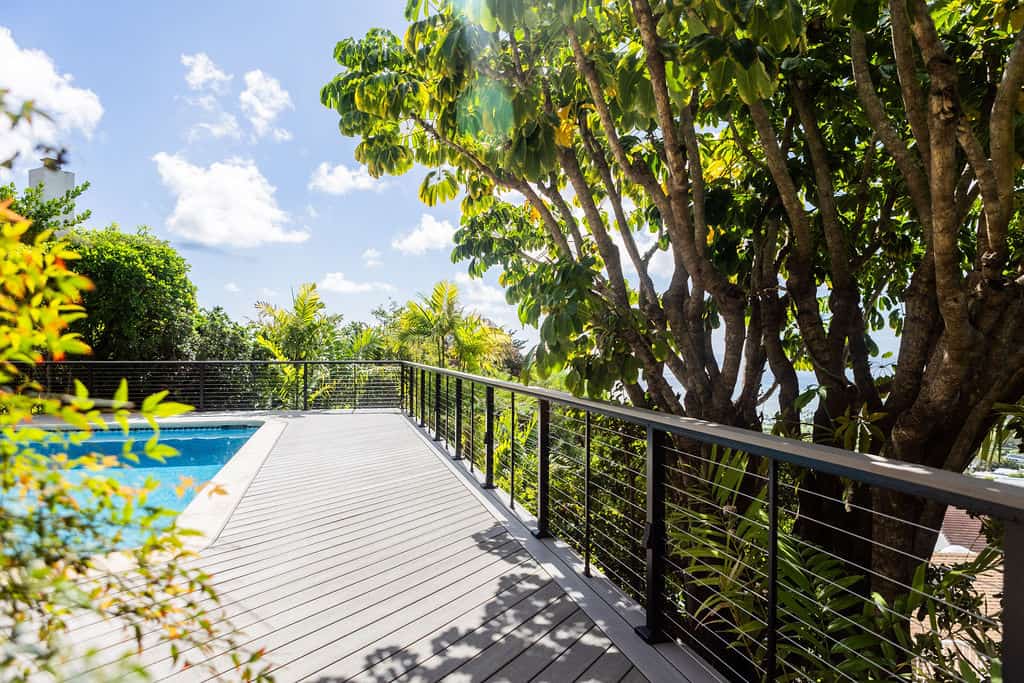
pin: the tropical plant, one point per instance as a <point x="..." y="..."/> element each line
<point x="61" y="516"/>
<point x="830" y="627"/>
<point x="446" y="334"/>
<point x="304" y="332"/>
<point x="360" y="341"/>
<point x="431" y="322"/>
<point x="1008" y="429"/>
<point x="144" y="305"/>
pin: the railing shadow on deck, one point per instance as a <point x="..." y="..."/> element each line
<point x="514" y="614"/>
<point x="773" y="558"/>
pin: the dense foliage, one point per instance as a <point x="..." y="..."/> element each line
<point x="144" y="305"/>
<point x="437" y="330"/>
<point x="218" y="337"/>
<point x="58" y="214"/>
<point x="61" y="516"/>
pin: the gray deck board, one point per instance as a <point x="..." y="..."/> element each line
<point x="356" y="554"/>
<point x="610" y="667"/>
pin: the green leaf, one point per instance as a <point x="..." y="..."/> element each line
<point x="150" y="403"/>
<point x="121" y="395"/>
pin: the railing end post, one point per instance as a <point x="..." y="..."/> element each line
<point x="437" y="406"/>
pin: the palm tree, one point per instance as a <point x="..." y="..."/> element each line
<point x="432" y="321"/>
<point x="447" y="333"/>
<point x="303" y="332"/>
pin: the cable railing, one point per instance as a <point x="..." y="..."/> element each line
<point x="775" y="559"/>
<point x="216" y="386"/>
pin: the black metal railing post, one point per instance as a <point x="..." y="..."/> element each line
<point x="411" y="378"/>
<point x="773" y="569"/>
<point x="458" y="418"/>
<point x="202" y="387"/>
<point x="447" y="413"/>
<point x="543" y="467"/>
<point x="305" y="385"/>
<point x="295" y="397"/>
<point x="586" y="493"/>
<point x="512" y="450"/>
<point x="654" y="536"/>
<point x="489" y="438"/>
<point x="1013" y="601"/>
<point x="401" y="387"/>
<point x="437" y="406"/>
<point x="472" y="424"/>
<point x="423" y="399"/>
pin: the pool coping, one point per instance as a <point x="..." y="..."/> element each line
<point x="207" y="514"/>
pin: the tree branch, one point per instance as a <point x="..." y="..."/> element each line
<point x="906" y="68"/>
<point x="906" y="160"/>
<point x="1002" y="145"/>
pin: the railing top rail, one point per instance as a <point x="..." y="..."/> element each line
<point x="356" y="361"/>
<point x="977" y="495"/>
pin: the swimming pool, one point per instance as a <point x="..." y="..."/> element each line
<point x="202" y="451"/>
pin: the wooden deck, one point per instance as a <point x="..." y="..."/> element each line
<point x="359" y="554"/>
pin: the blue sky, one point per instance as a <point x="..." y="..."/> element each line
<point x="203" y="121"/>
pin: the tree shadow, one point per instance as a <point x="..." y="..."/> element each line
<point x="479" y="630"/>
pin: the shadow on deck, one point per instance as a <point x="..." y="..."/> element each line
<point x="358" y="554"/>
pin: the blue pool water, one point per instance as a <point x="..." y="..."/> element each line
<point x="201" y="454"/>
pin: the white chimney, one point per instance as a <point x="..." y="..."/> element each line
<point x="56" y="183"/>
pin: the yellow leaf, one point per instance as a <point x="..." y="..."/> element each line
<point x="217" y="490"/>
<point x="184" y="485"/>
<point x="566" y="125"/>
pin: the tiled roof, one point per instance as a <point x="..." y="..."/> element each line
<point x="961" y="530"/>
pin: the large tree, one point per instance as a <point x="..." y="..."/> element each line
<point x="218" y="337"/>
<point x="144" y="305"/>
<point x="802" y="174"/>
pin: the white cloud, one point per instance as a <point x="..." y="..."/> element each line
<point x="268" y="293"/>
<point x="312" y="212"/>
<point x="226" y="126"/>
<point x="371" y="258"/>
<point x="31" y="75"/>
<point x="341" y="179"/>
<point x="429" y="234"/>
<point x="485" y="299"/>
<point x="228" y="203"/>
<point x="203" y="74"/>
<point x="338" y="283"/>
<point x="262" y="101"/>
<point x="204" y="102"/>
<point x="476" y="291"/>
<point x="233" y="288"/>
